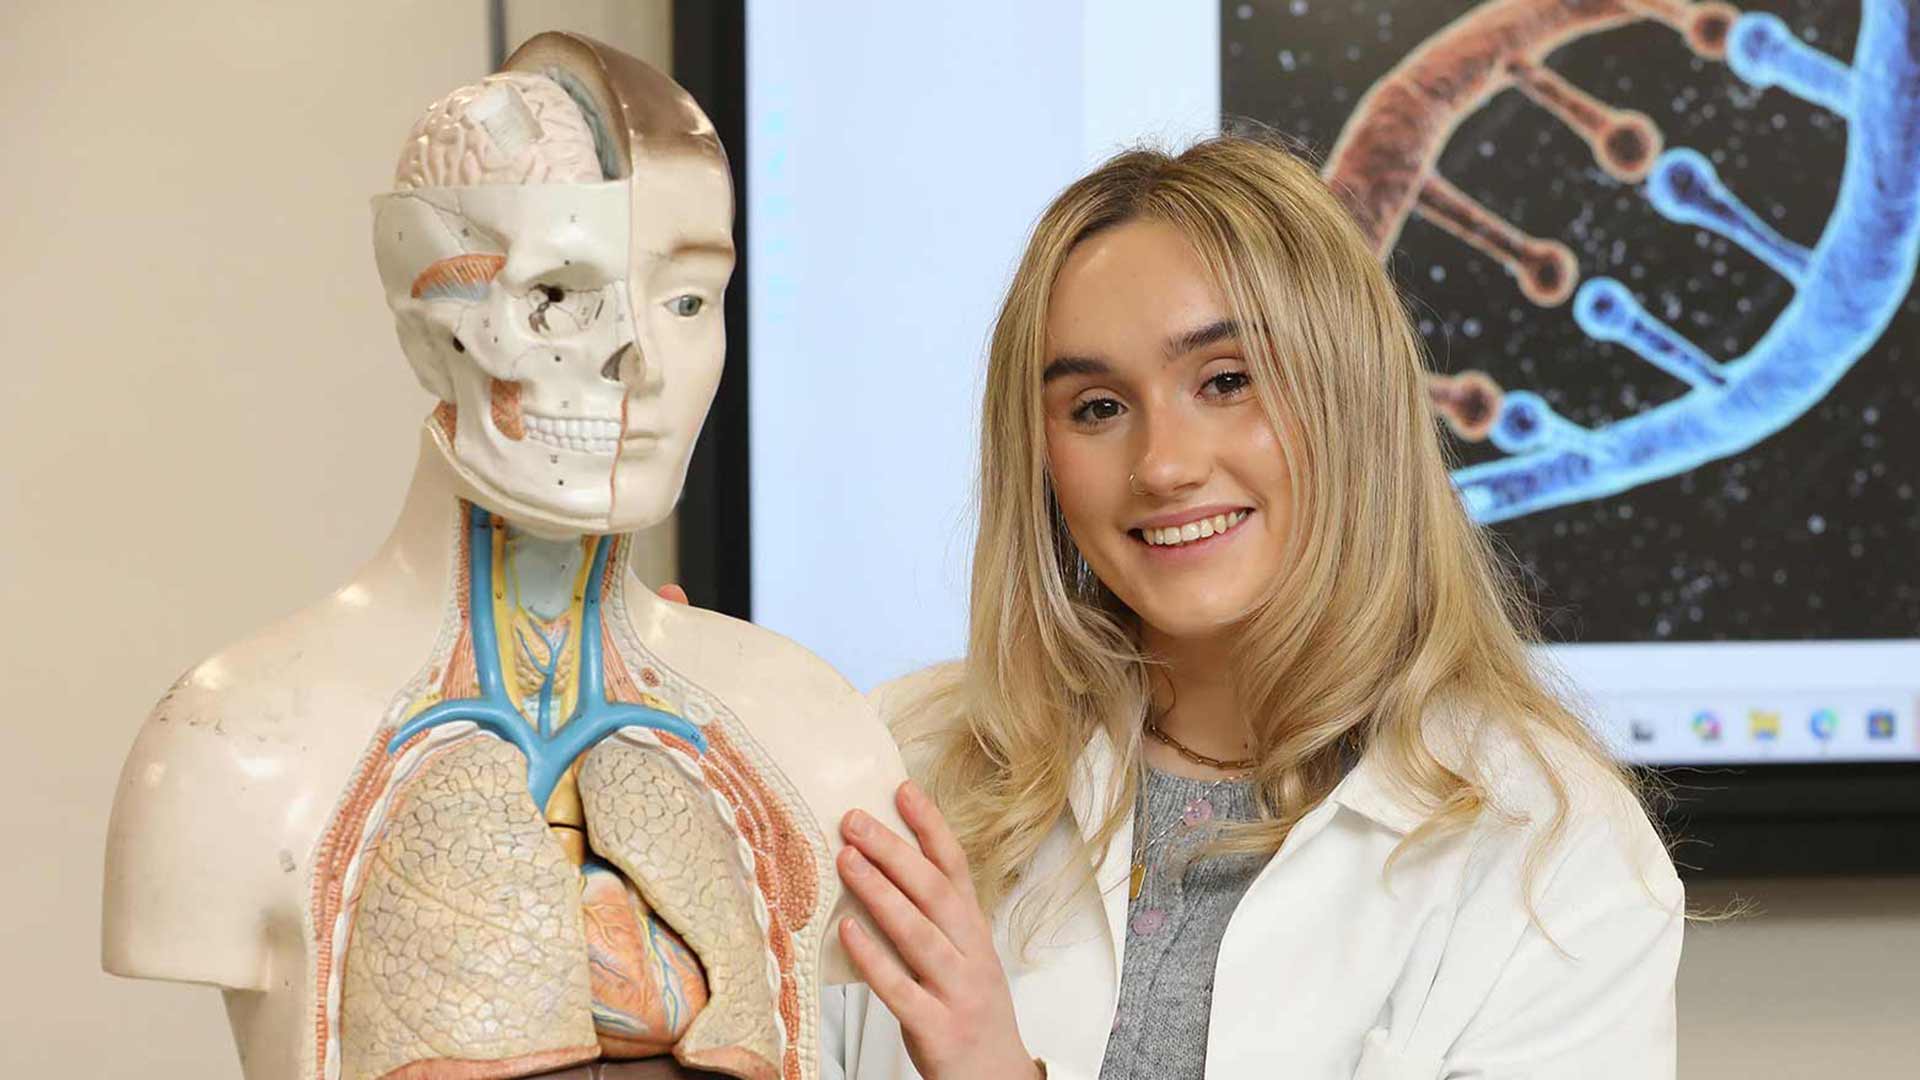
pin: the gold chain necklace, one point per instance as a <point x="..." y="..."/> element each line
<point x="1137" y="878"/>
<point x="1195" y="756"/>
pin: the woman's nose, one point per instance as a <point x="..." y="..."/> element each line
<point x="1172" y="459"/>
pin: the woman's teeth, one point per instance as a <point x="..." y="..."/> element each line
<point x="1175" y="535"/>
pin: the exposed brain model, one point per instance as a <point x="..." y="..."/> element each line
<point x="496" y="810"/>
<point x="510" y="128"/>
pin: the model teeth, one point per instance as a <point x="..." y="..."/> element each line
<point x="1175" y="535"/>
<point x="587" y="435"/>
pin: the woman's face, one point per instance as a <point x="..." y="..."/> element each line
<point x="1170" y="478"/>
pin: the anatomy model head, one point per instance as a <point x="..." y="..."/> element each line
<point x="555" y="252"/>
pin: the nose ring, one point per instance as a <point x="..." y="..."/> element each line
<point x="1134" y="485"/>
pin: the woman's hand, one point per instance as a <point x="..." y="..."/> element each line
<point x="951" y="997"/>
<point x="953" y="1007"/>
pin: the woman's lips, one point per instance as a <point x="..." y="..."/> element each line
<point x="1192" y="536"/>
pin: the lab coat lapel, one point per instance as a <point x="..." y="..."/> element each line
<point x="1088" y="797"/>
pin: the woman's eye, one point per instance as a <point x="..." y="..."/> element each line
<point x="686" y="306"/>
<point x="1095" y="410"/>
<point x="1229" y="384"/>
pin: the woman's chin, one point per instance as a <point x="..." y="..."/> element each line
<point x="1191" y="622"/>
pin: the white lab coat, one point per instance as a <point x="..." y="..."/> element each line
<point x="1329" y="970"/>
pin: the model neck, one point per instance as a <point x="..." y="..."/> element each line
<point x="540" y="561"/>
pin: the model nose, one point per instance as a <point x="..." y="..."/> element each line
<point x="614" y="369"/>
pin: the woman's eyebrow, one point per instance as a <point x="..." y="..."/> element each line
<point x="1178" y="345"/>
<point x="1062" y="366"/>
<point x="1200" y="337"/>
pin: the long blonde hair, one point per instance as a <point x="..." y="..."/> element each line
<point x="1392" y="602"/>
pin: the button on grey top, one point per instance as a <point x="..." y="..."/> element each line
<point x="1174" y="928"/>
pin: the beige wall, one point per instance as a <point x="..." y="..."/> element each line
<point x="1822" y="981"/>
<point x="209" y="424"/>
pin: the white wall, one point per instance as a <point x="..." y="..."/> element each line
<point x="890" y="190"/>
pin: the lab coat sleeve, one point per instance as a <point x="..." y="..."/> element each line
<point x="833" y="1033"/>
<point x="1588" y="990"/>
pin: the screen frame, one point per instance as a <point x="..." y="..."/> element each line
<point x="714" y="529"/>
<point x="1853" y="818"/>
<point x="1722" y="821"/>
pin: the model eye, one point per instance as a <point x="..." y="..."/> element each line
<point x="686" y="306"/>
<point x="552" y="294"/>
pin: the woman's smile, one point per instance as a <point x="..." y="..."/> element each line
<point x="1188" y="534"/>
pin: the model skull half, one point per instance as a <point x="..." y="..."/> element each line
<point x="555" y="254"/>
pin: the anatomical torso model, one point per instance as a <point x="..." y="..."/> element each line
<point x="494" y="809"/>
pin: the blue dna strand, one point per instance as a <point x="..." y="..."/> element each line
<point x="1847" y="287"/>
<point x="548" y="752"/>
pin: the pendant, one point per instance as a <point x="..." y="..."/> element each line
<point x="1136" y="880"/>
<point x="1149" y="922"/>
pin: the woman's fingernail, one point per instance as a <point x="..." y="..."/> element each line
<point x="857" y="823"/>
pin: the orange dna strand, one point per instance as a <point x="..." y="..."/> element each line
<point x="1847" y="286"/>
<point x="1383" y="165"/>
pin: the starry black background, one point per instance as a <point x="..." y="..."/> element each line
<point x="1810" y="534"/>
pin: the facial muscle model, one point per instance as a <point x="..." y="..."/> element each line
<point x="495" y="810"/>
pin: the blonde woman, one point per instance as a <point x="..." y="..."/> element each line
<point x="1247" y="771"/>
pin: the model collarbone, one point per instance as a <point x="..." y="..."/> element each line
<point x="549" y="751"/>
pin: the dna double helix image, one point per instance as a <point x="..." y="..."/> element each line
<point x="1662" y="254"/>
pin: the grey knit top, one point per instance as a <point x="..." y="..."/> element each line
<point x="1174" y="927"/>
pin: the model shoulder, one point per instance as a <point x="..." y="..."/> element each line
<point x="724" y="654"/>
<point x="228" y="784"/>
